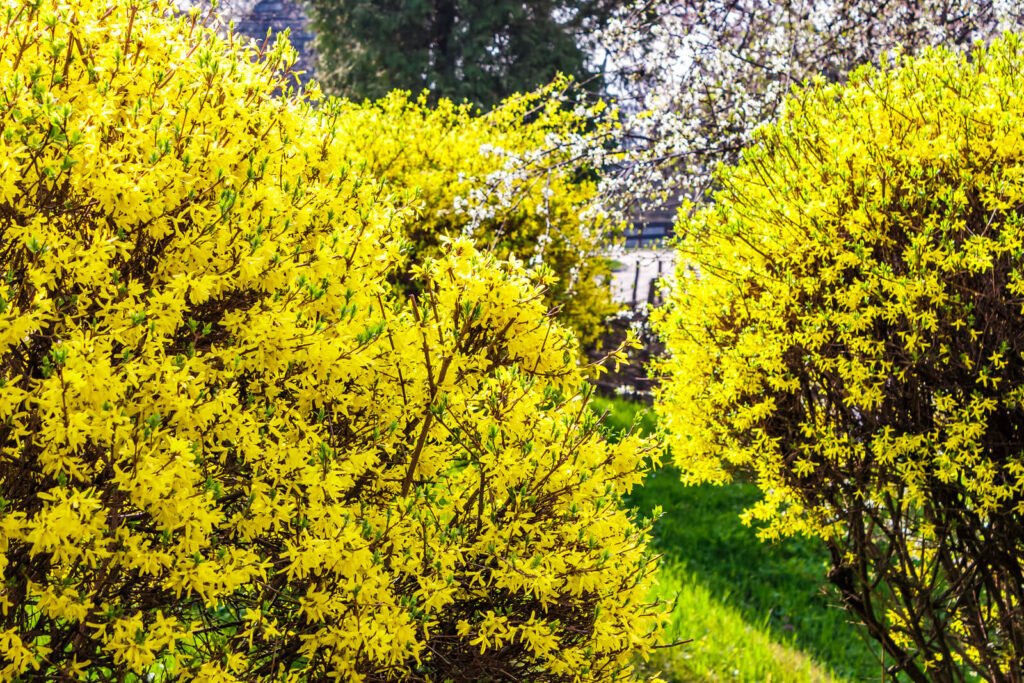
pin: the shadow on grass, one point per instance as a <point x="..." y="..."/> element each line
<point x="779" y="586"/>
<point x="722" y="645"/>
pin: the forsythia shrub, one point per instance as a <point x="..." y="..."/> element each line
<point x="518" y="180"/>
<point x="848" y="327"/>
<point x="229" y="450"/>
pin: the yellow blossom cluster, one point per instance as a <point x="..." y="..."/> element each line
<point x="520" y="180"/>
<point x="847" y="328"/>
<point x="241" y="438"/>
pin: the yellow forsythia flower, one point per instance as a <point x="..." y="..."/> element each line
<point x="847" y="329"/>
<point x="239" y="438"/>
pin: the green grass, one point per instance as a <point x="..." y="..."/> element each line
<point x="723" y="645"/>
<point x="621" y="414"/>
<point x="779" y="586"/>
<point x="752" y="608"/>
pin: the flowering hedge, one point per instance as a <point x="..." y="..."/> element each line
<point x="520" y="180"/>
<point x="230" y="448"/>
<point x="847" y="328"/>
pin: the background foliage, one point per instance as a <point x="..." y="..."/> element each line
<point x="698" y="76"/>
<point x="477" y="52"/>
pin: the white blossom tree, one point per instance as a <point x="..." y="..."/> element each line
<point x="696" y="77"/>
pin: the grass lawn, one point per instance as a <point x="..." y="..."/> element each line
<point x="756" y="611"/>
<point x="723" y="645"/>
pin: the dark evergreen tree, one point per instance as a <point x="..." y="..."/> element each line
<point x="459" y="49"/>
